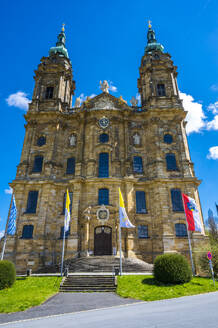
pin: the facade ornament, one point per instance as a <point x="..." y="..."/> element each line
<point x="103" y="213"/>
<point x="104" y="86"/>
<point x="72" y="140"/>
<point x="134" y="102"/>
<point x="121" y="98"/>
<point x="77" y="102"/>
<point x="136" y="139"/>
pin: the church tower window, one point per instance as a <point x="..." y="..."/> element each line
<point x="37" y="165"/>
<point x="104" y="137"/>
<point x="27" y="232"/>
<point x="103" y="166"/>
<point x="140" y="202"/>
<point x="137" y="164"/>
<point x="171" y="162"/>
<point x="142" y="231"/>
<point x="32" y="201"/>
<point x="168" y="139"/>
<point x="70" y="165"/>
<point x="103" y="196"/>
<point x="181" y="230"/>
<point x="161" y="90"/>
<point x="176" y="198"/>
<point x="49" y="92"/>
<point x="41" y="141"/>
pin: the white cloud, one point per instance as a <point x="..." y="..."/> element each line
<point x="213" y="125"/>
<point x="82" y="97"/>
<point x="9" y="191"/>
<point x="213" y="153"/>
<point x="195" y="116"/>
<point x="112" y="87"/>
<point x="214" y="87"/>
<point x="19" y="100"/>
<point x="92" y="95"/>
<point x="2" y="232"/>
<point x="213" y="107"/>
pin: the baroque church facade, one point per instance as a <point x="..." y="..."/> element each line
<point x="94" y="148"/>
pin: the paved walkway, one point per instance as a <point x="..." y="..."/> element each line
<point x="68" y="303"/>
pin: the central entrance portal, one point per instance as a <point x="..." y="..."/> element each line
<point x="103" y="241"/>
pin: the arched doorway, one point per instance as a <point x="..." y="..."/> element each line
<point x="103" y="241"/>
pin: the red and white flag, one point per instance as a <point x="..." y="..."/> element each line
<point x="192" y="214"/>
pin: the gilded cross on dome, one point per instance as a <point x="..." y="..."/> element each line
<point x="63" y="27"/>
<point x="149" y="24"/>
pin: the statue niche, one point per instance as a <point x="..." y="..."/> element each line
<point x="136" y="139"/>
<point x="72" y="140"/>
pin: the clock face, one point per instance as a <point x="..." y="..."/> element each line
<point x="104" y="122"/>
<point x="103" y="215"/>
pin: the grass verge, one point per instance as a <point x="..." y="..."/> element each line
<point x="28" y="292"/>
<point x="147" y="289"/>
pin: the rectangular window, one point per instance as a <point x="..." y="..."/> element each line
<point x="142" y="231"/>
<point x="161" y="90"/>
<point x="70" y="166"/>
<point x="27" y="232"/>
<point x="171" y="162"/>
<point x="103" y="166"/>
<point x="103" y="197"/>
<point x="137" y="164"/>
<point x="62" y="233"/>
<point x="37" y="165"/>
<point x="181" y="230"/>
<point x="49" y="93"/>
<point x="176" y="198"/>
<point x="64" y="202"/>
<point x="32" y="201"/>
<point x="140" y="202"/>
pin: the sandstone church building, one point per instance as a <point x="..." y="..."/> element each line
<point x="93" y="149"/>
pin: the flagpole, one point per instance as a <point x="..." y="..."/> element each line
<point x="62" y="258"/>
<point x="120" y="250"/>
<point x="6" y="228"/>
<point x="189" y="241"/>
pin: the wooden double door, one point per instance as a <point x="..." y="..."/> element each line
<point x="103" y="241"/>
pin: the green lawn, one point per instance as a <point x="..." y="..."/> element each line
<point x="147" y="289"/>
<point x="28" y="292"/>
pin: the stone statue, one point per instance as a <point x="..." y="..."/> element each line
<point x="136" y="139"/>
<point x="72" y="140"/>
<point x="77" y="102"/>
<point x="134" y="102"/>
<point x="104" y="86"/>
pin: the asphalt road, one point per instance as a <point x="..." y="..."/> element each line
<point x="200" y="311"/>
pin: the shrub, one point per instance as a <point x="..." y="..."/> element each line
<point x="7" y="274"/>
<point x="172" y="268"/>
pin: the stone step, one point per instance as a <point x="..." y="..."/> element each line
<point x="88" y="283"/>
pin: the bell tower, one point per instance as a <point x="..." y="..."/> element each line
<point x="157" y="83"/>
<point x="54" y="85"/>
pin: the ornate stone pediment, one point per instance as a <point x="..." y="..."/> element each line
<point x="105" y="101"/>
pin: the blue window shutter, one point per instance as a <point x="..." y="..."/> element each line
<point x="181" y="230"/>
<point x="41" y="141"/>
<point x="137" y="164"/>
<point x="168" y="138"/>
<point x="103" y="137"/>
<point x="140" y="202"/>
<point x="142" y="231"/>
<point x="27" y="232"/>
<point x="161" y="90"/>
<point x="103" y="196"/>
<point x="32" y="201"/>
<point x="64" y="202"/>
<point x="70" y="165"/>
<point x="176" y="198"/>
<point x="171" y="162"/>
<point x="37" y="165"/>
<point x="103" y="168"/>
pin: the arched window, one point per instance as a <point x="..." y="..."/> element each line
<point x="41" y="141"/>
<point x="181" y="230"/>
<point x="140" y="202"/>
<point x="176" y="199"/>
<point x="37" y="165"/>
<point x="103" y="165"/>
<point x="171" y="162"/>
<point x="70" y="165"/>
<point x="32" y="201"/>
<point x="161" y="90"/>
<point x="168" y="138"/>
<point x="62" y="233"/>
<point x="103" y="196"/>
<point x="137" y="164"/>
<point x="49" y="92"/>
<point x="27" y="232"/>
<point x="104" y="137"/>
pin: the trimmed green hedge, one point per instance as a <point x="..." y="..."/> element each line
<point x="172" y="268"/>
<point x="7" y="274"/>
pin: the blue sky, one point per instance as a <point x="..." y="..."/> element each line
<point x="106" y="40"/>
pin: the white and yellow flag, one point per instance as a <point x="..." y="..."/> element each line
<point x="124" y="220"/>
<point x="67" y="213"/>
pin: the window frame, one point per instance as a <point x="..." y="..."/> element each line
<point x="174" y="208"/>
<point x="161" y="92"/>
<point x="72" y="171"/>
<point x="28" y="208"/>
<point x="166" y="135"/>
<point x="27" y="226"/>
<point x="171" y="162"/>
<point x="137" y="200"/>
<point x="143" y="236"/>
<point x="103" y="135"/>
<point x="106" y="190"/>
<point x="49" y="92"/>
<point x="135" y="165"/>
<point x="179" y="231"/>
<point x="103" y="172"/>
<point x="38" y="143"/>
<point x="37" y="167"/>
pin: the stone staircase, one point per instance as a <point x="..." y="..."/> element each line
<point x="106" y="264"/>
<point x="88" y="283"/>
